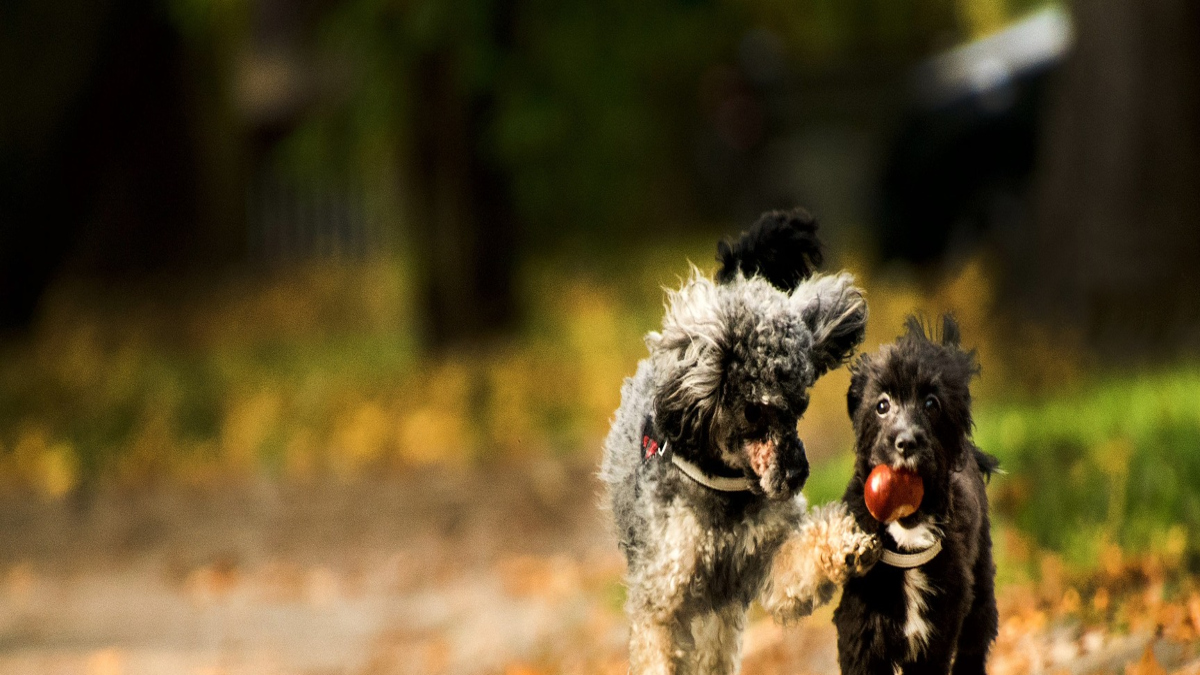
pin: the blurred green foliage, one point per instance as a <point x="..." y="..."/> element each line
<point x="828" y="478"/>
<point x="1117" y="463"/>
<point x="1114" y="465"/>
<point x="310" y="373"/>
<point x="597" y="105"/>
<point x="317" y="372"/>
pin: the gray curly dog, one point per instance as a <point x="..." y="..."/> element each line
<point x="703" y="464"/>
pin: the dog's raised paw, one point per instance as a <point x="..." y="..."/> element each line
<point x="862" y="549"/>
<point x="848" y="550"/>
<point x="863" y="556"/>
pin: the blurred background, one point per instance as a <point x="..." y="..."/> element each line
<point x="313" y="313"/>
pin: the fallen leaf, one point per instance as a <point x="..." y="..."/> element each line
<point x="1147" y="665"/>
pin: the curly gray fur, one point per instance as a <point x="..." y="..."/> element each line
<point x="726" y="380"/>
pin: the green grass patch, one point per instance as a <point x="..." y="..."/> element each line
<point x="1114" y="463"/>
<point x="827" y="479"/>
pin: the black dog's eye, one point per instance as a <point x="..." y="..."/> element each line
<point x="931" y="403"/>
<point x="752" y="413"/>
<point x="883" y="406"/>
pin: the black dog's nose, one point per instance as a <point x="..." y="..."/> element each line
<point x="908" y="440"/>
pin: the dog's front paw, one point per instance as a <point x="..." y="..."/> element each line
<point x="847" y="550"/>
<point x="865" y="550"/>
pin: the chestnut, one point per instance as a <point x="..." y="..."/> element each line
<point x="892" y="494"/>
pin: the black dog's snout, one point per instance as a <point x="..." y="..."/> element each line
<point x="909" y="440"/>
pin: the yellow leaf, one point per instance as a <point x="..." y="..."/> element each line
<point x="1147" y="665"/>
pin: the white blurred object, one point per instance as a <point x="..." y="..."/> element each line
<point x="988" y="65"/>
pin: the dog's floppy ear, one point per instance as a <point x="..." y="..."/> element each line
<point x="835" y="311"/>
<point x="688" y="356"/>
<point x="858" y="384"/>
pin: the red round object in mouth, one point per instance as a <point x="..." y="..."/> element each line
<point x="892" y="494"/>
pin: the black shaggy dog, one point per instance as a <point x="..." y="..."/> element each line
<point x="929" y="606"/>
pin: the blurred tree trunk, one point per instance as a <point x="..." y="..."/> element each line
<point x="111" y="143"/>
<point x="462" y="207"/>
<point x="1116" y="249"/>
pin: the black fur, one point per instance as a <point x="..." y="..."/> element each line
<point x="925" y="380"/>
<point x="781" y="246"/>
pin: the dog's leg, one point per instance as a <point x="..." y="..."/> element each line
<point x="718" y="640"/>
<point x="654" y="646"/>
<point x="850" y="663"/>
<point x="660" y="631"/>
<point x="933" y="662"/>
<point x="978" y="631"/>
<point x="867" y="641"/>
<point x="981" y="624"/>
<point x="811" y="563"/>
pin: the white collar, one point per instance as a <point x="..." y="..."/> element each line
<point x="720" y="483"/>
<point x="910" y="560"/>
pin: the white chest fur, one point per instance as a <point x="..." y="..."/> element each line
<point x="915" y="538"/>
<point x="916" y="584"/>
<point x="916" y="626"/>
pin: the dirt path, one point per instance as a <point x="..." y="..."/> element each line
<point x="506" y="570"/>
<point x="435" y="572"/>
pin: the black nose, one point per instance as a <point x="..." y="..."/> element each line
<point x="909" y="440"/>
<point x="796" y="476"/>
<point x="793" y="467"/>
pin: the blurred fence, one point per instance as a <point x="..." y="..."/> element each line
<point x="294" y="220"/>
